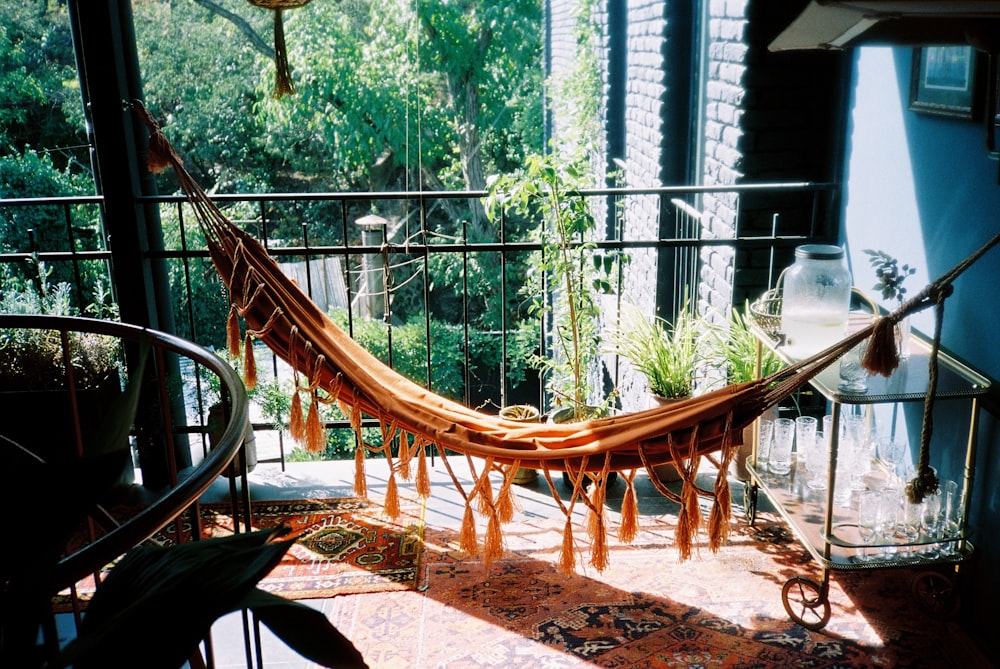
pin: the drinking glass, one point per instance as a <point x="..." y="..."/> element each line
<point x="853" y="377"/>
<point x="890" y="452"/>
<point x="780" y="460"/>
<point x="911" y="517"/>
<point x="764" y="444"/>
<point x="951" y="517"/>
<point x="805" y="436"/>
<point x="869" y="521"/>
<point x="889" y="503"/>
<point x="931" y="523"/>
<point x="818" y="462"/>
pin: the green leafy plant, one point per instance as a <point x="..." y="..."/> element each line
<point x="667" y="354"/>
<point x="569" y="274"/>
<point x="735" y="346"/>
<point x="889" y="274"/>
<point x="32" y="359"/>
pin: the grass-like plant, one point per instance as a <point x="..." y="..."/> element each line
<point x="667" y="354"/>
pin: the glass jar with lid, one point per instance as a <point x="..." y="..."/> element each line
<point x="816" y="299"/>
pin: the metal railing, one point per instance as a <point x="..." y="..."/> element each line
<point x="429" y="244"/>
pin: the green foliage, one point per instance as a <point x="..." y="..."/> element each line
<point x="890" y="276"/>
<point x="40" y="103"/>
<point x="735" y="347"/>
<point x="37" y="229"/>
<point x="668" y="354"/>
<point x="568" y="275"/>
<point x="32" y="359"/>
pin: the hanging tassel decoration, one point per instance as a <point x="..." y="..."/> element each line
<point x="233" y="333"/>
<point x="392" y="497"/>
<point x="567" y="559"/>
<point x="505" y="501"/>
<point x="315" y="438"/>
<point x="296" y="425"/>
<point x="882" y="356"/>
<point x="360" y="480"/>
<point x="423" y="482"/>
<point x="629" y="525"/>
<point x="467" y="540"/>
<point x="249" y="363"/>
<point x="493" y="544"/>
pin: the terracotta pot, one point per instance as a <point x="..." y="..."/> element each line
<point x="522" y="413"/>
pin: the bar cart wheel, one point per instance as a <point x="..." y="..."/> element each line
<point x="937" y="593"/>
<point x="806" y="602"/>
<point x="750" y="502"/>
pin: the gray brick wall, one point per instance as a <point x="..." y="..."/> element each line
<point x="764" y="117"/>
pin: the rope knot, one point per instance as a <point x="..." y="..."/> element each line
<point x="924" y="484"/>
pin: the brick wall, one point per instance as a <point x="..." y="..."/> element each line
<point x="764" y="117"/>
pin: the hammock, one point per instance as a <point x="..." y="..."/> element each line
<point x="323" y="357"/>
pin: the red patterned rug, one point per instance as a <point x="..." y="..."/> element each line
<point x="344" y="546"/>
<point x="647" y="610"/>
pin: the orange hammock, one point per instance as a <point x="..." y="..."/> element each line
<point x="277" y="312"/>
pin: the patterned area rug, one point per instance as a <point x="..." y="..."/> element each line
<point x="344" y="546"/>
<point x="647" y="610"/>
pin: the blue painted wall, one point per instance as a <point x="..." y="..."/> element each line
<point x="924" y="189"/>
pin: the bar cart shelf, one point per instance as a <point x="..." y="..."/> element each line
<point x="829" y="531"/>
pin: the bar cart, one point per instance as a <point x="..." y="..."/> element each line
<point x="826" y="521"/>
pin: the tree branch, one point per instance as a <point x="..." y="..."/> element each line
<point x="256" y="41"/>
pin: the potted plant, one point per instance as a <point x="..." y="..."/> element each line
<point x="889" y="284"/>
<point x="569" y="274"/>
<point x="667" y="354"/>
<point x="734" y="353"/>
<point x="34" y="385"/>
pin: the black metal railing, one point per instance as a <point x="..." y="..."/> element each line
<point x="422" y="242"/>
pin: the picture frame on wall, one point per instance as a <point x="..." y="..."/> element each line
<point x="943" y="81"/>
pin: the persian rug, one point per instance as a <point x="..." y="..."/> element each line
<point x="647" y="609"/>
<point x="343" y="546"/>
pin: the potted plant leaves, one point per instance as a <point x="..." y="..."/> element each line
<point x="667" y="354"/>
<point x="734" y="349"/>
<point x="35" y="365"/>
<point x="569" y="276"/>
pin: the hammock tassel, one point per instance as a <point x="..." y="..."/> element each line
<point x="392" y="497"/>
<point x="296" y="426"/>
<point x="882" y="357"/>
<point x="628" y="528"/>
<point x="505" y="499"/>
<point x="360" y="480"/>
<point x="233" y="333"/>
<point x="405" y="456"/>
<point x="599" y="551"/>
<point x="567" y="561"/>
<point x="249" y="363"/>
<point x="467" y="540"/>
<point x="493" y="548"/>
<point x="315" y="439"/>
<point x="423" y="482"/>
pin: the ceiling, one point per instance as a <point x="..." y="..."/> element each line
<point x="839" y="24"/>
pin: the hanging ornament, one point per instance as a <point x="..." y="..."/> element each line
<point x="282" y="75"/>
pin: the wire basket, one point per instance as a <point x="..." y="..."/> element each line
<point x="766" y="312"/>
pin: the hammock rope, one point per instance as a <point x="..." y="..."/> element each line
<point x="291" y="325"/>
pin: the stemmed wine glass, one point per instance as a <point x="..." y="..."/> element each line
<point x="869" y="520"/>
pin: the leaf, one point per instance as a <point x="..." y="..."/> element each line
<point x="305" y="630"/>
<point x="167" y="599"/>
